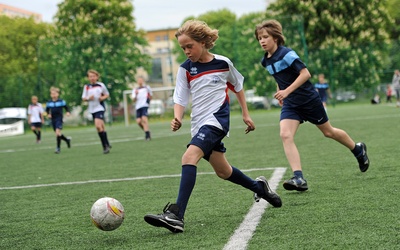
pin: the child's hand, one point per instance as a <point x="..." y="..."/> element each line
<point x="68" y="113"/>
<point x="250" y="124"/>
<point x="49" y="116"/>
<point x="175" y="124"/>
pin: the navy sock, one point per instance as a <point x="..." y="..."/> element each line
<point x="357" y="150"/>
<point x="39" y="135"/>
<point x="35" y="132"/>
<point x="101" y="135"/>
<point x="188" y="179"/>
<point x="239" y="178"/>
<point x="298" y="174"/>
<point x="106" y="138"/>
<point x="58" y="141"/>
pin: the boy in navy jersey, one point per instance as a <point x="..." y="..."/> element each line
<point x="299" y="100"/>
<point x="206" y="78"/>
<point x="95" y="93"/>
<point x="323" y="90"/>
<point x="54" y="110"/>
<point x="35" y="117"/>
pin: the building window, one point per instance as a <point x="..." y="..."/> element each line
<point x="156" y="71"/>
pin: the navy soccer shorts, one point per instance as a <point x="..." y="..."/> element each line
<point x="36" y="124"/>
<point x="208" y="139"/>
<point x="313" y="112"/>
<point x="98" y="115"/>
<point x="57" y="123"/>
<point x="142" y="112"/>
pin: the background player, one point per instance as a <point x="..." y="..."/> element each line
<point x="300" y="102"/>
<point x="323" y="90"/>
<point x="142" y="96"/>
<point x="206" y="78"/>
<point x="35" y="117"/>
<point x="95" y="93"/>
<point x="54" y="110"/>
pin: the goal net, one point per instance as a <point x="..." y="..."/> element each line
<point x="160" y="104"/>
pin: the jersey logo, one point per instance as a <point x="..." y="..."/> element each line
<point x="215" y="79"/>
<point x="193" y="70"/>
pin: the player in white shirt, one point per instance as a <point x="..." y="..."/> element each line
<point x="95" y="93"/>
<point x="206" y="78"/>
<point x="142" y="96"/>
<point x="35" y="117"/>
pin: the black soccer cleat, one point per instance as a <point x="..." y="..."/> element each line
<point x="106" y="150"/>
<point x="295" y="183"/>
<point x="168" y="219"/>
<point x="363" y="160"/>
<point x="68" y="141"/>
<point x="270" y="196"/>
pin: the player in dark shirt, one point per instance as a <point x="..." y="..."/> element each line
<point x="299" y="100"/>
<point x="54" y="110"/>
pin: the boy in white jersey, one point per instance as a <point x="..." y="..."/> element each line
<point x="206" y="77"/>
<point x="142" y="96"/>
<point x="95" y="93"/>
<point x="35" y="117"/>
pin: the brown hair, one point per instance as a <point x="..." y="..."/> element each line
<point x="199" y="31"/>
<point x="273" y="28"/>
<point x="94" y="72"/>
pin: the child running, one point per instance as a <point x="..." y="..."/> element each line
<point x="142" y="96"/>
<point x="54" y="110"/>
<point x="95" y="93"/>
<point x="206" y="78"/>
<point x="299" y="100"/>
<point x="35" y="117"/>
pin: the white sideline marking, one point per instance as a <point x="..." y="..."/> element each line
<point x="120" y="179"/>
<point x="244" y="232"/>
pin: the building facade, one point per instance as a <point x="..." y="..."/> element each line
<point x="11" y="11"/>
<point x="161" y="43"/>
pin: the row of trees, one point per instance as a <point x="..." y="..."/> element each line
<point x="354" y="42"/>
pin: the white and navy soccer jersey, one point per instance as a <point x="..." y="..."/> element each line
<point x="285" y="66"/>
<point x="143" y="95"/>
<point x="322" y="89"/>
<point x="97" y="89"/>
<point x="35" y="111"/>
<point x="208" y="84"/>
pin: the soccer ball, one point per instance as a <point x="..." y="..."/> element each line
<point x="107" y="214"/>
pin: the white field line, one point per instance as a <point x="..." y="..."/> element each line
<point x="119" y="179"/>
<point x="245" y="231"/>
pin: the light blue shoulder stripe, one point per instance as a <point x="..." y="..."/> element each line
<point x="285" y="63"/>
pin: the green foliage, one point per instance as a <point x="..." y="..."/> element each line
<point x="97" y="35"/>
<point x="393" y="10"/>
<point x="348" y="39"/>
<point x="343" y="209"/>
<point x="18" y="59"/>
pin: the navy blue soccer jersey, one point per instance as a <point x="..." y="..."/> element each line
<point x="322" y="89"/>
<point x="285" y="66"/>
<point x="55" y="108"/>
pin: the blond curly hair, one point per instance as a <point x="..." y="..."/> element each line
<point x="199" y="31"/>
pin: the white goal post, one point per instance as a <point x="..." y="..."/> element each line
<point x="162" y="93"/>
